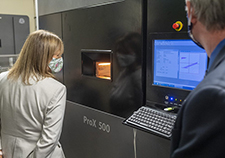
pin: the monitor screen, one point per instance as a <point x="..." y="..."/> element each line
<point x="178" y="63"/>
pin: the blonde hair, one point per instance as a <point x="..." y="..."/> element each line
<point x="36" y="53"/>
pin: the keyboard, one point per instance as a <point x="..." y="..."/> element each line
<point x="154" y="121"/>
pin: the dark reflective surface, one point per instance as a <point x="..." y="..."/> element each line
<point x="53" y="23"/>
<point x="126" y="94"/>
<point x="101" y="28"/>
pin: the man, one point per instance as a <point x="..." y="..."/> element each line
<point x="199" y="131"/>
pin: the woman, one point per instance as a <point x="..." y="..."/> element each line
<point x="32" y="102"/>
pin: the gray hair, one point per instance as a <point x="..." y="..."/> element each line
<point x="210" y="12"/>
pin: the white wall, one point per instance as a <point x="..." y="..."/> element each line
<point x="19" y="7"/>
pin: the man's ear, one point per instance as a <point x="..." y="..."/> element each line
<point x="188" y="8"/>
<point x="194" y="17"/>
<point x="191" y="12"/>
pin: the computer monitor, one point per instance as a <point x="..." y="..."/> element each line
<point x="175" y="66"/>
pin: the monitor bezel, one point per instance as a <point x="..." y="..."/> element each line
<point x="156" y="95"/>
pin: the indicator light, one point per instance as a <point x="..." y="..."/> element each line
<point x="169" y="108"/>
<point x="171" y="98"/>
<point x="166" y="97"/>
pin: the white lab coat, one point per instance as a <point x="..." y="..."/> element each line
<point x="31" y="118"/>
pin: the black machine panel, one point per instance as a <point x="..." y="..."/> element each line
<point x="113" y="29"/>
<point x="53" y="23"/>
<point x="163" y="13"/>
<point x="90" y="133"/>
<point x="174" y="66"/>
<point x="116" y="28"/>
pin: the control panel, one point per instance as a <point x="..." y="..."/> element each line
<point x="173" y="101"/>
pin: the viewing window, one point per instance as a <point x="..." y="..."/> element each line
<point x="97" y="63"/>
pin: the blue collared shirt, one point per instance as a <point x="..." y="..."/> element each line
<point x="216" y="52"/>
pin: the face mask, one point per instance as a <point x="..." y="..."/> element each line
<point x="190" y="25"/>
<point x="56" y="65"/>
<point x="125" y="60"/>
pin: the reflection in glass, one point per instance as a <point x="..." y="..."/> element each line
<point x="126" y="94"/>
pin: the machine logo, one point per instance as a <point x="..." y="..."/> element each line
<point x="96" y="124"/>
<point x="21" y="21"/>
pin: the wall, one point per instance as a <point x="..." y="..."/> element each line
<point x="19" y="7"/>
